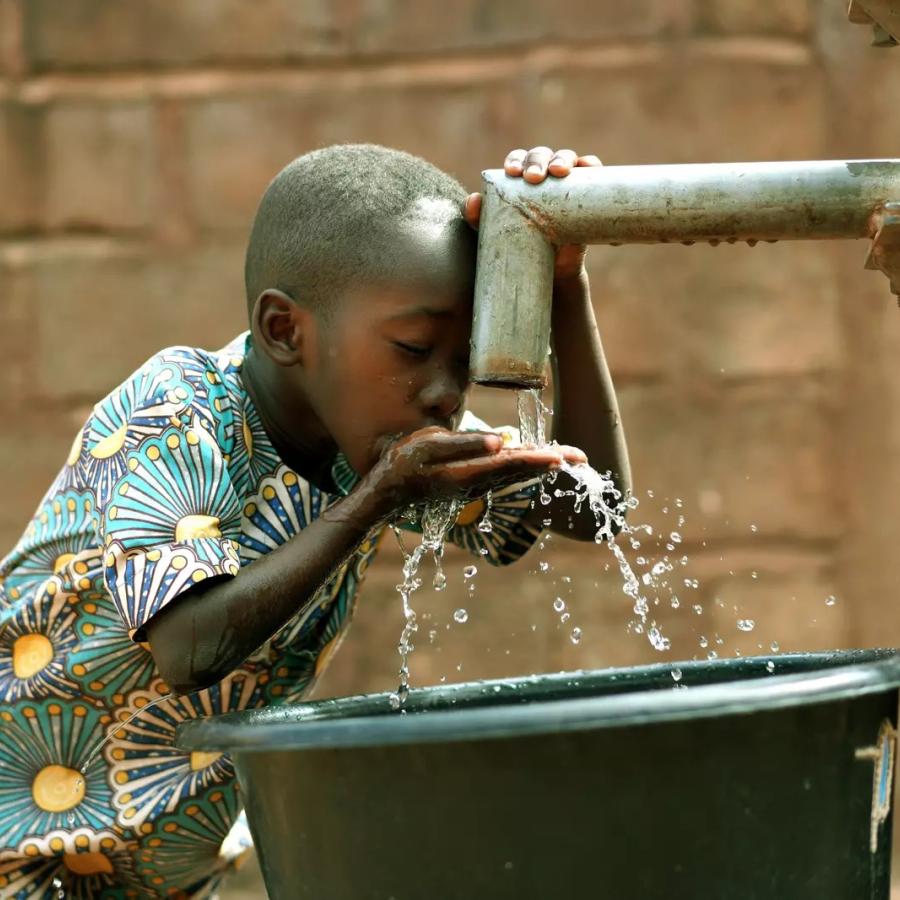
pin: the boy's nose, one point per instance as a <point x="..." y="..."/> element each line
<point x="441" y="397"/>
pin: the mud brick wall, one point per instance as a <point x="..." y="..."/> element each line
<point x="761" y="387"/>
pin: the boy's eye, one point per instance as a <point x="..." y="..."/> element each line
<point x="415" y="350"/>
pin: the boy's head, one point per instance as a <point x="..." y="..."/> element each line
<point x="359" y="277"/>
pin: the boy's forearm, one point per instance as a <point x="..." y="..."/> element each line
<point x="585" y="409"/>
<point x="210" y="630"/>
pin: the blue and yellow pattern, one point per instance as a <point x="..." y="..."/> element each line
<point x="171" y="480"/>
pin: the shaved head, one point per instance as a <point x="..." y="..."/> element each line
<point x="352" y="214"/>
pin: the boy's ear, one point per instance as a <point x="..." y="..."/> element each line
<point x="281" y="327"/>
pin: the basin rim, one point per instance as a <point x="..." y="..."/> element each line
<point x="292" y="727"/>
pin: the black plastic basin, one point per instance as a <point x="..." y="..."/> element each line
<point x="735" y="783"/>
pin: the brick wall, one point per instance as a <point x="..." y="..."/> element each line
<point x="759" y="386"/>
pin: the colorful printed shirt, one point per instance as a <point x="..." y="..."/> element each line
<point x="171" y="480"/>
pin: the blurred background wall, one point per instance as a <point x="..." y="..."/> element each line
<point x="759" y="387"/>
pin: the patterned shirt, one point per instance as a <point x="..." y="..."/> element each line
<point x="171" y="480"/>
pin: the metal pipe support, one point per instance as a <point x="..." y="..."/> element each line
<point x="723" y="202"/>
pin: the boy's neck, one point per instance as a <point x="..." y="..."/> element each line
<point x="293" y="427"/>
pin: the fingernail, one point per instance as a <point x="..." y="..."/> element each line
<point x="533" y="170"/>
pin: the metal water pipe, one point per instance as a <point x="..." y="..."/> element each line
<point x="722" y="202"/>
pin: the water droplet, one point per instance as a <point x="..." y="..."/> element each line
<point x="658" y="568"/>
<point x="470" y="571"/>
<point x="675" y="602"/>
<point x="544" y="566"/>
<point x="770" y="666"/>
<point x="754" y="528"/>
<point x="746" y="624"/>
<point x="641" y="561"/>
<point x="647" y="578"/>
<point x="754" y="575"/>
<point x="704" y="643"/>
<point x="565" y="618"/>
<point x="394" y="700"/>
<point x="675" y="537"/>
<point x="559" y="604"/>
<point x="691" y="583"/>
<point x="676" y="674"/>
<point x="698" y="609"/>
<point x="575" y="637"/>
<point x="658" y="640"/>
<point x="830" y="600"/>
<point x="650" y="494"/>
<point x="774" y="646"/>
<point x="440" y="581"/>
<point x="712" y="655"/>
<point x="461" y="616"/>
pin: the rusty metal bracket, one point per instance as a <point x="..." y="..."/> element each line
<point x="884" y="253"/>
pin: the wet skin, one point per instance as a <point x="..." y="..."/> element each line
<point x="383" y="378"/>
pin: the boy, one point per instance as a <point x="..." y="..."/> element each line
<point x="201" y="549"/>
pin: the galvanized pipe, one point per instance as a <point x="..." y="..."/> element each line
<point x="520" y="224"/>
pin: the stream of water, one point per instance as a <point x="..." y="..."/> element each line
<point x="589" y="487"/>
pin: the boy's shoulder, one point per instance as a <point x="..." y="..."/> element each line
<point x="176" y="379"/>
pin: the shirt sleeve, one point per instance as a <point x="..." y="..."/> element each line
<point x="509" y="535"/>
<point x="169" y="514"/>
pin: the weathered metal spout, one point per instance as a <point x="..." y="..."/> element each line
<point x="768" y="201"/>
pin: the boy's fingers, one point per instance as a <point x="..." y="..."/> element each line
<point x="562" y="163"/>
<point x="461" y="445"/>
<point x="472" y="210"/>
<point x="589" y="160"/>
<point x="513" y="162"/>
<point x="572" y="455"/>
<point x="535" y="165"/>
<point x="513" y="461"/>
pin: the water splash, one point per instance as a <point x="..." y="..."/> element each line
<point x="485" y="526"/>
<point x="609" y="508"/>
<point x="113" y="728"/>
<point x="436" y="520"/>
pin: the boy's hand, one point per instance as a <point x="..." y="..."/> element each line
<point x="434" y="463"/>
<point x="534" y="165"/>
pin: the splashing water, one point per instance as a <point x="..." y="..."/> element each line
<point x="115" y="727"/>
<point x="110" y="732"/>
<point x="485" y="526"/>
<point x="436" y="520"/>
<point x="609" y="507"/>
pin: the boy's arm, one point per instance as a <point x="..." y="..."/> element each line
<point x="585" y="410"/>
<point x="210" y="629"/>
